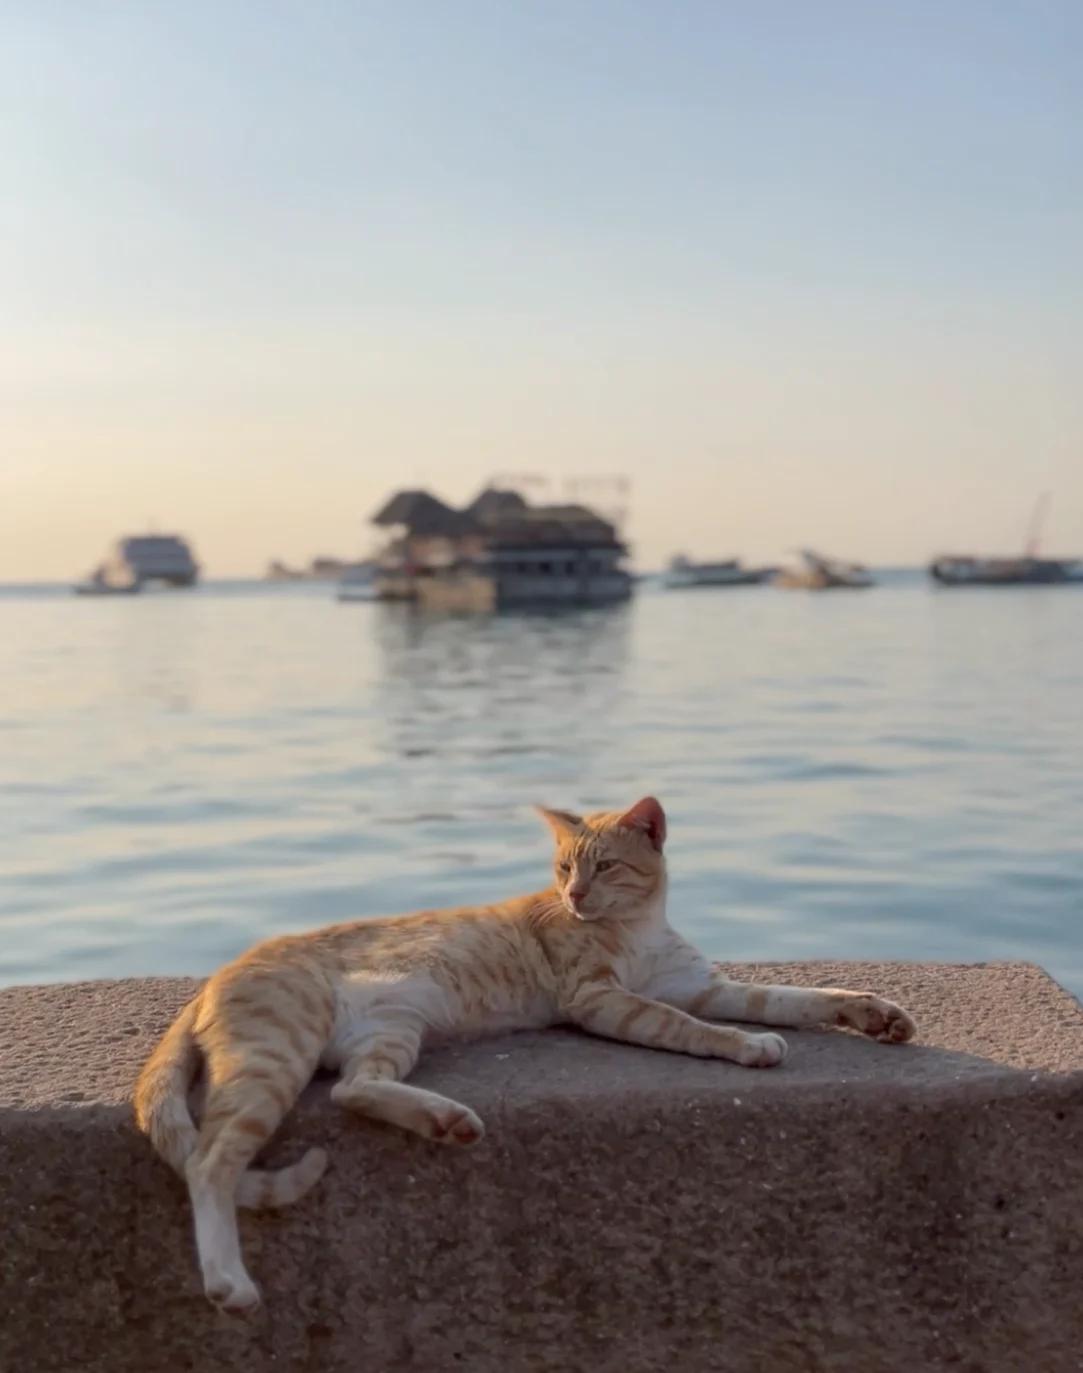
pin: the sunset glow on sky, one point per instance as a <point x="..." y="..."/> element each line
<point x="804" y="273"/>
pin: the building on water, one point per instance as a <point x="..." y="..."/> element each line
<point x="498" y="553"/>
<point x="318" y="570"/>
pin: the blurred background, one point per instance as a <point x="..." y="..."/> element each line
<point x="448" y="406"/>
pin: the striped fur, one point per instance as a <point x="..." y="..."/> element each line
<point x="364" y="999"/>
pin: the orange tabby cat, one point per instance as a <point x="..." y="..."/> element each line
<point x="365" y="998"/>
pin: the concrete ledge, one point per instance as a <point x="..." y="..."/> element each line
<point x="900" y="1208"/>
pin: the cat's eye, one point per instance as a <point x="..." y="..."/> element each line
<point x="605" y="864"/>
<point x="564" y="867"/>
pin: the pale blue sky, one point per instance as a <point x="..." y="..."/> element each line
<point x="807" y="273"/>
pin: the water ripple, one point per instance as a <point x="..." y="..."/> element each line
<point x="873" y="776"/>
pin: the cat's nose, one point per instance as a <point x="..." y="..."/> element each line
<point x="577" y="893"/>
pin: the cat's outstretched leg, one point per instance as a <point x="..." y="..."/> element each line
<point x="705" y="991"/>
<point x="600" y="1005"/>
<point x="371" y="1084"/>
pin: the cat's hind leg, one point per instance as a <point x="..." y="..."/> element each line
<point x="371" y="1084"/>
<point x="242" y="1115"/>
<point x="258" y="1060"/>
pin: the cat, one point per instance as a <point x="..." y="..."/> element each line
<point x="364" y="998"/>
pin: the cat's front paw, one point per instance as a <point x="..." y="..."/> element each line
<point x="762" y="1051"/>
<point x="879" y="1019"/>
<point x="453" y="1124"/>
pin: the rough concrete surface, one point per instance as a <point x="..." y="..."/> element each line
<point x="871" y="1207"/>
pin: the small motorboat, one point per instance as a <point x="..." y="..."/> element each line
<point x="817" y="573"/>
<point x="683" y="573"/>
<point x="358" y="583"/>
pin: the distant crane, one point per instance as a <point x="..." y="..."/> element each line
<point x="516" y="481"/>
<point x="1037" y="522"/>
<point x="609" y="495"/>
<point x="612" y="500"/>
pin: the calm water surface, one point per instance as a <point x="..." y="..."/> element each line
<point x="896" y="773"/>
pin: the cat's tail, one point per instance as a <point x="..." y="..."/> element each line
<point x="161" y="1112"/>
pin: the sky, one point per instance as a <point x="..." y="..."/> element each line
<point x="804" y="274"/>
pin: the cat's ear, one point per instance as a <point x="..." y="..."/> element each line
<point x="647" y="815"/>
<point x="561" y="822"/>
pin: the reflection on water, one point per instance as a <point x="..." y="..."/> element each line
<point x="896" y="774"/>
<point x="504" y="698"/>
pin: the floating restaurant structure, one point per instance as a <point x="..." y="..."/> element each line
<point x="498" y="553"/>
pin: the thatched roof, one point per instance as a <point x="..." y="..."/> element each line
<point x="493" y="505"/>
<point x="503" y="518"/>
<point x="569" y="526"/>
<point x="424" y="514"/>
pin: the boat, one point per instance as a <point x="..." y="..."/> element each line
<point x="971" y="571"/>
<point x="357" y="583"/>
<point x="683" y="573"/>
<point x="817" y="573"/>
<point x="140" y="560"/>
<point x="1027" y="570"/>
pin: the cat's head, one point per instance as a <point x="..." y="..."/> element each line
<point x="609" y="865"/>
